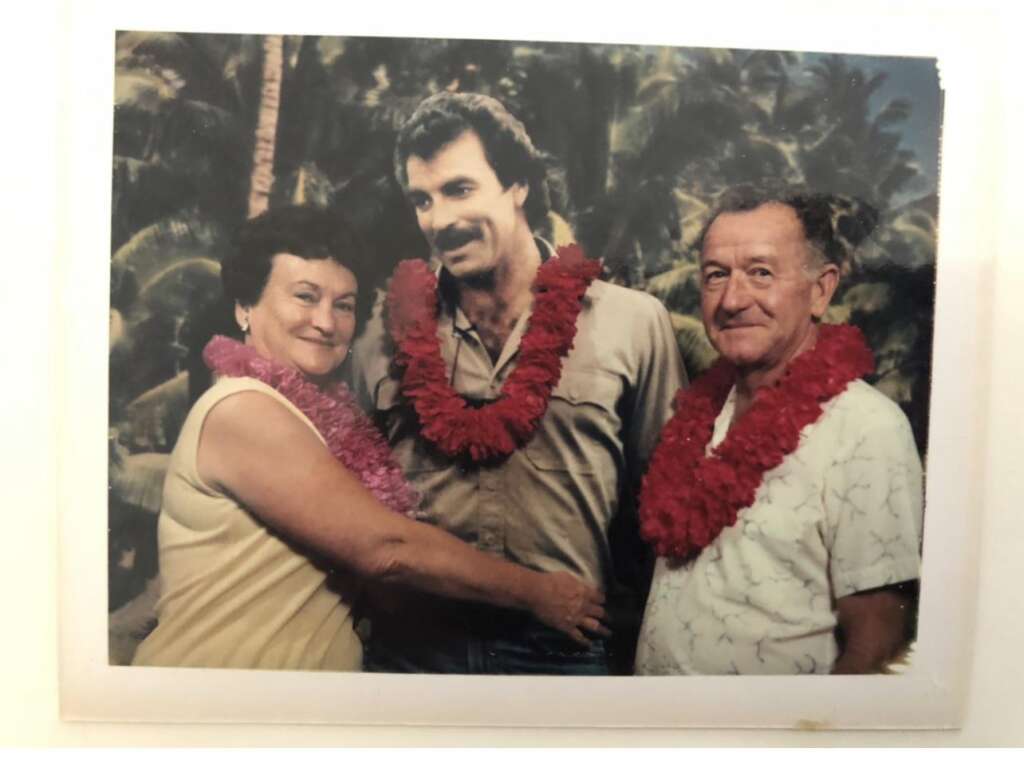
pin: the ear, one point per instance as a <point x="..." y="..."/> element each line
<point x="520" y="191"/>
<point x="824" y="287"/>
<point x="242" y="317"/>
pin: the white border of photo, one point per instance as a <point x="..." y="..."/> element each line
<point x="931" y="690"/>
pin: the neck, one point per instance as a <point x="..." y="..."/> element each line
<point x="749" y="380"/>
<point x="504" y="292"/>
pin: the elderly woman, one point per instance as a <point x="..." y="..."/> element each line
<point x="280" y="494"/>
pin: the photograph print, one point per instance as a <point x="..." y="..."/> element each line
<point x="496" y="357"/>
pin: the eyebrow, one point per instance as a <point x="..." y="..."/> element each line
<point x="460" y="180"/>
<point x="349" y="294"/>
<point x="755" y="259"/>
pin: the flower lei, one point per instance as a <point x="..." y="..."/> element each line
<point x="498" y="428"/>
<point x="350" y="435"/>
<point x="688" y="497"/>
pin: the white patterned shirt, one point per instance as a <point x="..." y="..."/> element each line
<point x="841" y="514"/>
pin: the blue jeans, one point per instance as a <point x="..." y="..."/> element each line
<point x="476" y="639"/>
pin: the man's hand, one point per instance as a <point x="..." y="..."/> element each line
<point x="872" y="625"/>
<point x="567" y="604"/>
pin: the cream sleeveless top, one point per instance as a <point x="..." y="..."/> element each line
<point x="235" y="594"/>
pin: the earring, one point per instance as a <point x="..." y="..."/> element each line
<point x="245" y="326"/>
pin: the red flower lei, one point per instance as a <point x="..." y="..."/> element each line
<point x="503" y="425"/>
<point x="687" y="497"/>
<point x="350" y="435"/>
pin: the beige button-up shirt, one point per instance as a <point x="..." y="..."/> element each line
<point x="548" y="506"/>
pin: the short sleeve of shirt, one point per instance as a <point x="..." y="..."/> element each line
<point x="873" y="495"/>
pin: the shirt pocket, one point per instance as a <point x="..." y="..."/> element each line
<point x="413" y="453"/>
<point x="580" y="424"/>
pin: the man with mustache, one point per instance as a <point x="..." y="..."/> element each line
<point x="785" y="497"/>
<point x="523" y="402"/>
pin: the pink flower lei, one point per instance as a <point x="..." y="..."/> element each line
<point x="350" y="435"/>
<point x="688" y="497"/>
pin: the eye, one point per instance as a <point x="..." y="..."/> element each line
<point x="761" y="273"/>
<point x="458" y="190"/>
<point x="713" y="276"/>
<point x="419" y="201"/>
<point x="346" y="307"/>
<point x="306" y="296"/>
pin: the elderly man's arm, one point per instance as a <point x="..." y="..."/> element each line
<point x="874" y="502"/>
<point x="872" y="629"/>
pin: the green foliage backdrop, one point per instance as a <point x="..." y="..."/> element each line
<point x="643" y="139"/>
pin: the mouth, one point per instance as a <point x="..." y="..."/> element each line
<point x="319" y="342"/>
<point x="455" y="257"/>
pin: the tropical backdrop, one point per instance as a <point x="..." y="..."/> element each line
<point x="211" y="129"/>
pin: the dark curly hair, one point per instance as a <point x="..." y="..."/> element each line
<point x="441" y="118"/>
<point x="831" y="228"/>
<point x="308" y="232"/>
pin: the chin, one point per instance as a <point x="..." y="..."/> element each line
<point x="319" y="368"/>
<point x="739" y="355"/>
<point x="467" y="265"/>
<point x="317" y="374"/>
<point x="463" y="268"/>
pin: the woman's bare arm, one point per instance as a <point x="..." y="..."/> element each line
<point x="256" y="449"/>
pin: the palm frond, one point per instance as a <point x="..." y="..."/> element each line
<point x="171" y="239"/>
<point x="151" y="423"/>
<point x="694" y="346"/>
<point x="141" y="89"/>
<point x="139" y="480"/>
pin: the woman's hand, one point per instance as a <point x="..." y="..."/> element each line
<point x="569" y="605"/>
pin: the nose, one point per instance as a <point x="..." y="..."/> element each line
<point x="736" y="296"/>
<point x="437" y="217"/>
<point x="323" y="317"/>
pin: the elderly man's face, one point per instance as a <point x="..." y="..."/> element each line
<point x="470" y="220"/>
<point x="759" y="291"/>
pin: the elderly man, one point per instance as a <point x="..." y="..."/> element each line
<point x="785" y="497"/>
<point x="520" y="394"/>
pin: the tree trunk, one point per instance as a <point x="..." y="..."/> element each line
<point x="266" y="125"/>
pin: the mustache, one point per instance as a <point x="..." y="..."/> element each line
<point x="451" y="238"/>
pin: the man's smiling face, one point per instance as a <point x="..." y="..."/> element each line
<point x="469" y="219"/>
<point x="760" y="290"/>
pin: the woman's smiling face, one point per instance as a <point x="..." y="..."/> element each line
<point x="305" y="316"/>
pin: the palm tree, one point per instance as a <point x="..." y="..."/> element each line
<point x="853" y="152"/>
<point x="266" y="127"/>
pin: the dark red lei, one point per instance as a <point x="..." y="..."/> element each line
<point x="498" y="428"/>
<point x="688" y="498"/>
